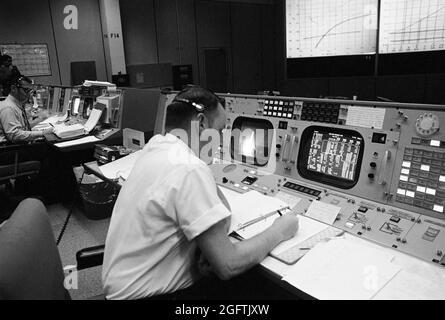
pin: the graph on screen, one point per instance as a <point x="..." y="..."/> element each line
<point x="412" y="25"/>
<point x="317" y="28"/>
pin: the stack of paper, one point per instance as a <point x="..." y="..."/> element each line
<point x="342" y="270"/>
<point x="120" y="168"/>
<point x="63" y="131"/>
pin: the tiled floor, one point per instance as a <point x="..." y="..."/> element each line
<point x="79" y="234"/>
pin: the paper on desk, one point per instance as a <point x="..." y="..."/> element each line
<point x="121" y="167"/>
<point x="76" y="142"/>
<point x="54" y="119"/>
<point x="323" y="212"/>
<point x="342" y="270"/>
<point x="412" y="286"/>
<point x="93" y="119"/>
<point x="252" y="205"/>
<point x="291" y="200"/>
<point x="306" y="228"/>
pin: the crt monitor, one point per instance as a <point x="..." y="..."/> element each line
<point x="251" y="141"/>
<point x="330" y="155"/>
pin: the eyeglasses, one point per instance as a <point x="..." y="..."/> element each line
<point x="27" y="90"/>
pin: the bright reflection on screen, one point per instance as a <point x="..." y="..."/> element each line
<point x="247" y="143"/>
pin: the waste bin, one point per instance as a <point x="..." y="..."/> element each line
<point x="98" y="197"/>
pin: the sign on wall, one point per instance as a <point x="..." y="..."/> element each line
<point x="31" y="59"/>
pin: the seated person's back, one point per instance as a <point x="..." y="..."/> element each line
<point x="169" y="206"/>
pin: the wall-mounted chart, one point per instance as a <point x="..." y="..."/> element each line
<point x="31" y="59"/>
<point x="317" y="28"/>
<point x="412" y="25"/>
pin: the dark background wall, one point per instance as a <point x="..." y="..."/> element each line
<point x="41" y="21"/>
<point x="230" y="44"/>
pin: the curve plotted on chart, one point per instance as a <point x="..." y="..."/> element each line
<point x="412" y="25"/>
<point x="317" y="28"/>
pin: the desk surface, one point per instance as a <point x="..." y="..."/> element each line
<point x="416" y="280"/>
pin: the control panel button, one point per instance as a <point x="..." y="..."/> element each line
<point x="395" y="219"/>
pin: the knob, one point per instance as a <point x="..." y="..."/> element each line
<point x="419" y="220"/>
<point x="278" y="146"/>
<point x="398" y="239"/>
<point x="363" y="227"/>
<point x="225" y="180"/>
<point x="368" y="228"/>
<point x="383" y="210"/>
<point x="373" y="165"/>
<point x="371" y="176"/>
<point x="439" y="253"/>
<point x="403" y="240"/>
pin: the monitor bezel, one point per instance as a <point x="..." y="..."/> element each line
<point x="315" y="176"/>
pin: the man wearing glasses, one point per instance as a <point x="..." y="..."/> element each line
<point x="14" y="124"/>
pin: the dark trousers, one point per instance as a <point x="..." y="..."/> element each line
<point x="252" y="285"/>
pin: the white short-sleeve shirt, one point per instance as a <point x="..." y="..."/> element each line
<point x="168" y="200"/>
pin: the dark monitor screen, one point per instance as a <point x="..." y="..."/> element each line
<point x="330" y="155"/>
<point x="251" y="140"/>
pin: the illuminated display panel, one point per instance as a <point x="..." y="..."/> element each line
<point x="332" y="156"/>
<point x="251" y="140"/>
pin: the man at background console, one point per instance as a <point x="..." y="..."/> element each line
<point x="14" y="123"/>
<point x="170" y="207"/>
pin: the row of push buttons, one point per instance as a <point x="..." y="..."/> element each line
<point x="422" y="180"/>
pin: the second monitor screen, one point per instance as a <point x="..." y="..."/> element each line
<point x="331" y="156"/>
<point x="334" y="154"/>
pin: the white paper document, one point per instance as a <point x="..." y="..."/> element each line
<point x="365" y="117"/>
<point x="342" y="270"/>
<point x="253" y="205"/>
<point x="323" y="212"/>
<point x="291" y="200"/>
<point x="76" y="142"/>
<point x="306" y="229"/>
<point x="92" y="120"/>
<point x="412" y="286"/>
<point x="120" y="168"/>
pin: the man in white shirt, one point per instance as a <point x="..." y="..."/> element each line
<point x="14" y="123"/>
<point x="170" y="206"/>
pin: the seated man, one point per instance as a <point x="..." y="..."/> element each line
<point x="170" y="206"/>
<point x="14" y="123"/>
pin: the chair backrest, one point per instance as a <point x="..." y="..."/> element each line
<point x="30" y="265"/>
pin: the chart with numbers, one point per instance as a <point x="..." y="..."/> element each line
<point x="412" y="25"/>
<point x="317" y="28"/>
<point x="31" y="59"/>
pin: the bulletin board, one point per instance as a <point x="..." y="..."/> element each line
<point x="31" y="59"/>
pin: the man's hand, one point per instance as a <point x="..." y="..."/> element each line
<point x="287" y="225"/>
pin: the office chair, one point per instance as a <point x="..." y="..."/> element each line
<point x="30" y="264"/>
<point x="16" y="168"/>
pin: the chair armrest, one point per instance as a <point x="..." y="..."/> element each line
<point x="8" y="147"/>
<point x="90" y="257"/>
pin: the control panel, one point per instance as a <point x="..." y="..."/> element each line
<point x="382" y="163"/>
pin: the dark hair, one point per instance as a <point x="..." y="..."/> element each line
<point x="188" y="103"/>
<point x="4" y="58"/>
<point x="15" y="78"/>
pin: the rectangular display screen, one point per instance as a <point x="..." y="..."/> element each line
<point x="334" y="154"/>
